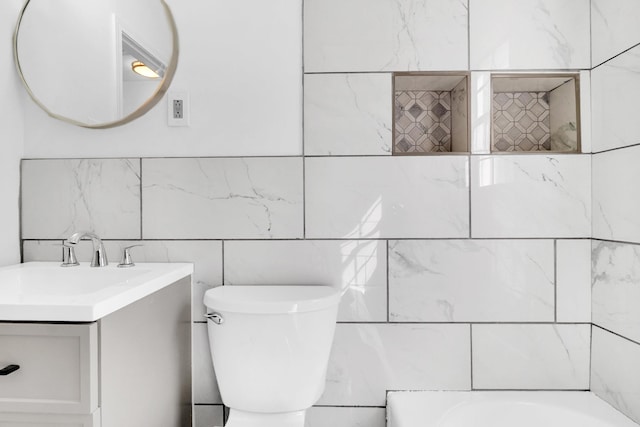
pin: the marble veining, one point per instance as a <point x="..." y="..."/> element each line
<point x="386" y="197"/>
<point x="615" y="375"/>
<point x="573" y="280"/>
<point x="616" y="287"/>
<point x="357" y="267"/>
<point x="369" y="359"/>
<point x="62" y="196"/>
<point x="530" y="34"/>
<point x="614" y="89"/>
<point x="615" y="213"/>
<point x="506" y="191"/>
<point x="613" y="28"/>
<point x="471" y="281"/>
<point x="537" y="356"/>
<point x="392" y="35"/>
<point x="222" y="198"/>
<point x="347" y="114"/>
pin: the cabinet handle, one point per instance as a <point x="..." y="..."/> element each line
<point x="9" y="369"/>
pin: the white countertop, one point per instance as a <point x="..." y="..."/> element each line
<point x="44" y="291"/>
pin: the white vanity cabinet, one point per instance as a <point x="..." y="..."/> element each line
<point x="129" y="368"/>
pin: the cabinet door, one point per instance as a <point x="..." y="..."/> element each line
<point x="58" y="368"/>
<point x="50" y="420"/>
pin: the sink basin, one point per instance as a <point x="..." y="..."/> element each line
<point x="44" y="291"/>
<point x="57" y="281"/>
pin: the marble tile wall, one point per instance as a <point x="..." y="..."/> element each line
<point x="452" y="266"/>
<point x="529" y="35"/>
<point x="616" y="213"/>
<point x="414" y="282"/>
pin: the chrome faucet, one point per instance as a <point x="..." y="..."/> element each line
<point x="99" y="254"/>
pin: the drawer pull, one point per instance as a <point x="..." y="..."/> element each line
<point x="9" y="369"/>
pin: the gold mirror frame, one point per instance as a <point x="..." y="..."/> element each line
<point x="140" y="111"/>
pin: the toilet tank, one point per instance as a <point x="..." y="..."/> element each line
<point x="270" y="352"/>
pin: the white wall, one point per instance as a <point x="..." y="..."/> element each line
<point x="244" y="76"/>
<point x="10" y="137"/>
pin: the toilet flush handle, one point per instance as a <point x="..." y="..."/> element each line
<point x="215" y="318"/>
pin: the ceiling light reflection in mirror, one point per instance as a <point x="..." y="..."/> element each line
<point x="76" y="57"/>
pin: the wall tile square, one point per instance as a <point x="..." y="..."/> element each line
<point x="614" y="28"/>
<point x="531" y="356"/>
<point x="367" y="360"/>
<point x="471" y="281"/>
<point x="345" y="417"/>
<point x="614" y="89"/>
<point x="385" y="35"/>
<point x="359" y="268"/>
<point x="615" y="372"/>
<point x="531" y="196"/>
<point x="41" y="250"/>
<point x="347" y="114"/>
<point x="529" y="34"/>
<point x="616" y="288"/>
<point x="481" y="115"/>
<point x="585" y="112"/>
<point x="573" y="281"/>
<point x="60" y="197"/>
<point x="222" y="198"/>
<point x="615" y="195"/>
<point x="208" y="415"/>
<point x="387" y="197"/>
<point x="205" y="386"/>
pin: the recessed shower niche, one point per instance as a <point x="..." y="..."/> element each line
<point x="533" y="113"/>
<point x="430" y="113"/>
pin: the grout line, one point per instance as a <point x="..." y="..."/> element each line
<point x="616" y="334"/>
<point x="615" y="56"/>
<point x="623" y="242"/>
<point x="614" y="149"/>
<point x="590" y="353"/>
<point x="304" y="198"/>
<point x="528" y="389"/>
<point x="223" y="257"/>
<point x="141" y="216"/>
<point x="353" y="406"/>
<point x="338" y="239"/>
<point x="459" y="322"/>
<point x="388" y="288"/>
<point x="470" y="204"/>
<point x="471" y="352"/>
<point x="555" y="281"/>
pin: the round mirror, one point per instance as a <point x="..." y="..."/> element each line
<point x="96" y="63"/>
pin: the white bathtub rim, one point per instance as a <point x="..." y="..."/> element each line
<point x="433" y="408"/>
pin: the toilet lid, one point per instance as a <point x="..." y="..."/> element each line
<point x="261" y="299"/>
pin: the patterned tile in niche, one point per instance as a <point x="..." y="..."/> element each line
<point x="422" y="121"/>
<point x="521" y="121"/>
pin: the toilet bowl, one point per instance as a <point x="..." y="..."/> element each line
<point x="270" y="346"/>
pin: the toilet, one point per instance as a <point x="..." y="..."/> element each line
<point x="270" y="346"/>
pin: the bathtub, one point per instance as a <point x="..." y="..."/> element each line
<point x="501" y="409"/>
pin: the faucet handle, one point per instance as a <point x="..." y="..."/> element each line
<point x="69" y="256"/>
<point x="126" y="260"/>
